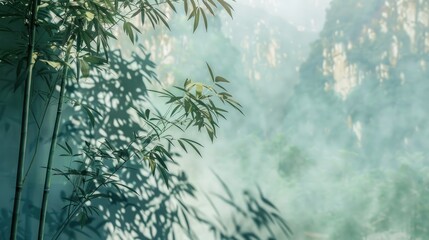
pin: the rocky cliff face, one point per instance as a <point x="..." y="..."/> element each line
<point x="368" y="69"/>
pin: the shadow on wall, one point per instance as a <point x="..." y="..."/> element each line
<point x="91" y="198"/>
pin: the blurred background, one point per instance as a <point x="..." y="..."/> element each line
<point x="335" y="125"/>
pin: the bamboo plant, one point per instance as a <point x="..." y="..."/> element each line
<point x="85" y="27"/>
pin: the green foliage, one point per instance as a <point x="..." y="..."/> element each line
<point x="88" y="25"/>
<point x="195" y="104"/>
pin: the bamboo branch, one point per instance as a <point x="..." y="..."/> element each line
<point x="71" y="215"/>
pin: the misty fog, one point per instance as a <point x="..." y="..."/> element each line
<point x="335" y="119"/>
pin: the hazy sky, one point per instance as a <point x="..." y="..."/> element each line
<point x="305" y="14"/>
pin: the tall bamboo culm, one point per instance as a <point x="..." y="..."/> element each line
<point x="24" y="122"/>
<point x="47" y="185"/>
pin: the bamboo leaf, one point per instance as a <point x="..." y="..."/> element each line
<point x="90" y="115"/>
<point x="196" y="18"/>
<point x="205" y="19"/>
<point x="84" y="68"/>
<point x="65" y="149"/>
<point x="211" y="72"/>
<point x="94" y="60"/>
<point x="69" y="148"/>
<point x="89" y="16"/>
<point x="209" y="8"/>
<point x="182" y="145"/>
<point x="198" y="89"/>
<point x="129" y="30"/>
<point x="221" y="79"/>
<point x="165" y="175"/>
<point x="54" y="64"/>
<point x="226" y="6"/>
<point x="192" y="143"/>
<point x="185" y="5"/>
<point x="171" y="5"/>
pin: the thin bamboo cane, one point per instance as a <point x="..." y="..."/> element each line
<point x="24" y="122"/>
<point x="48" y="175"/>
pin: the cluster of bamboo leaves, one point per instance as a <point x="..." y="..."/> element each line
<point x="197" y="102"/>
<point x="87" y="26"/>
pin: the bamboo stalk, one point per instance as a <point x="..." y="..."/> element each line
<point x="24" y="121"/>
<point x="48" y="175"/>
<point x="39" y="130"/>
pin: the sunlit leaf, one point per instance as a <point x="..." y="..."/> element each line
<point x="95" y="60"/>
<point x="54" y="64"/>
<point x="89" y="16"/>
<point x="84" y="68"/>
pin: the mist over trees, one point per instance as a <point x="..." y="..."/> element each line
<point x="360" y="105"/>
